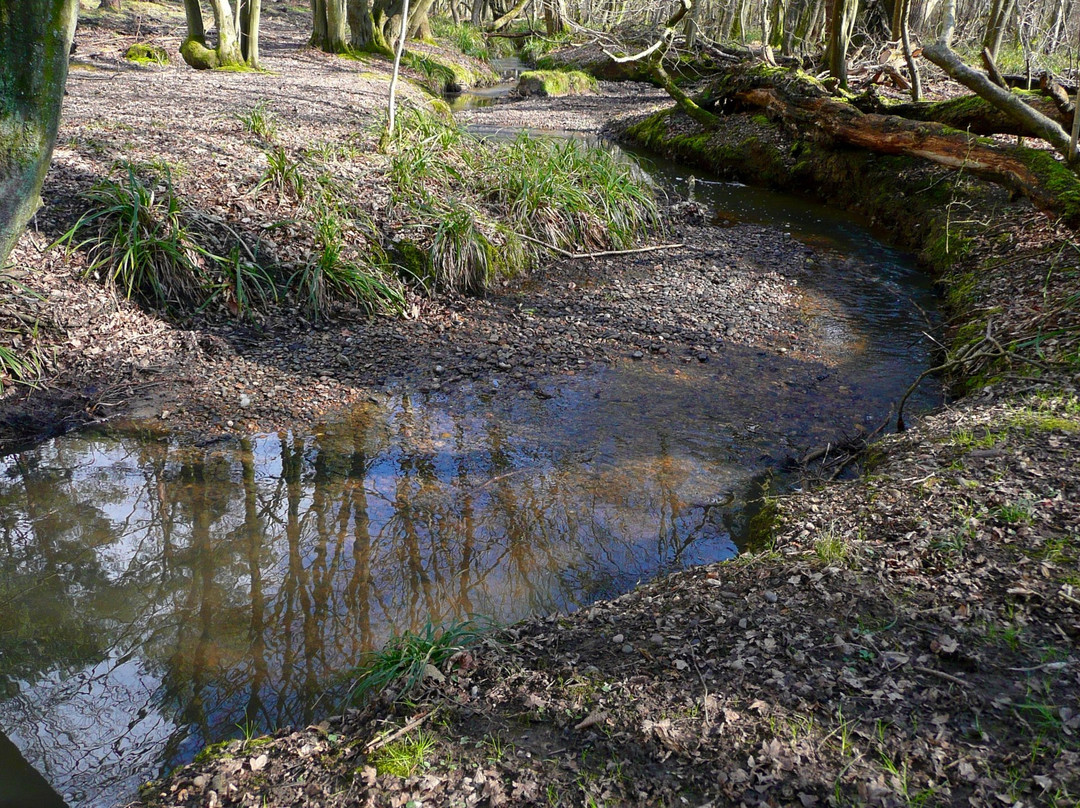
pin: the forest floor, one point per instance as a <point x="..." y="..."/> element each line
<point x="910" y="638"/>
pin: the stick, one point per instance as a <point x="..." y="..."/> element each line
<point x="378" y="743"/>
<point x="568" y="254"/>
<point x="941" y="674"/>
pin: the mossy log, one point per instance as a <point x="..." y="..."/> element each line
<point x="810" y="112"/>
<point x="970" y="113"/>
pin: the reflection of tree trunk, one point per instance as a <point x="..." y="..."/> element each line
<point x="291" y="589"/>
<point x="358" y="591"/>
<point x="202" y="553"/>
<point x="256" y="625"/>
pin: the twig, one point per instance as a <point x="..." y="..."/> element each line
<point x="942" y="675"/>
<point x="601" y="254"/>
<point x="379" y="743"/>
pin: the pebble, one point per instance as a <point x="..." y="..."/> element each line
<point x="770" y="597"/>
<point x="618" y="638"/>
<point x="628" y="648"/>
<point x="638" y="355"/>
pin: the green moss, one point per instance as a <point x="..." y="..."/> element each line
<point x="555" y="83"/>
<point x="147" y="54"/>
<point x="213" y="752"/>
<point x="1058" y="179"/>
<point x="414" y="262"/>
<point x="198" y="56"/>
<point x="761" y="120"/>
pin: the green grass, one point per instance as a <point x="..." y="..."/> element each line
<point x="282" y="173"/>
<point x="259" y="120"/>
<point x="405" y="757"/>
<point x="404" y="659"/>
<point x="137" y="240"/>
<point x="831" y="549"/>
<point x="339" y="272"/>
<point x="479" y="208"/>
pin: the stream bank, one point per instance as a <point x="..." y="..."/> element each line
<point x="909" y="638"/>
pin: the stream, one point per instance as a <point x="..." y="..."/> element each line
<point x="157" y="596"/>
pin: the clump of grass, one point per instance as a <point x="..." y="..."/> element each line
<point x="137" y="239"/>
<point x="487" y="209"/>
<point x="335" y="274"/>
<point x="243" y="285"/>
<point x="405" y="757"/>
<point x="831" y="548"/>
<point x="259" y="120"/>
<point x="403" y="661"/>
<point x="465" y="36"/>
<point x="283" y="173"/>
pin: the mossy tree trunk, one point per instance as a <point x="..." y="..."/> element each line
<point x="238" y="34"/>
<point x="35" y="37"/>
<point x="328" y="25"/>
<point x="372" y="23"/>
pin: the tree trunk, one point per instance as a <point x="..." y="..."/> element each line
<point x="905" y="41"/>
<point x="555" y="17"/>
<point x="841" y="24"/>
<point x="816" y="116"/>
<point x="250" y="18"/>
<point x="1000" y="11"/>
<point x="329" y="19"/>
<point x="35" y="37"/>
<point x="111" y="5"/>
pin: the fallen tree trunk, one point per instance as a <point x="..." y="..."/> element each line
<point x="806" y="109"/>
<point x="1011" y="104"/>
<point x="970" y="113"/>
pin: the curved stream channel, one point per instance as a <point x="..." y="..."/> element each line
<point x="155" y="597"/>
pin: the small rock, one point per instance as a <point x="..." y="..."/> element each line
<point x="199" y="783"/>
<point x="628" y="648"/>
<point x="618" y="638"/>
<point x="770" y="597"/>
<point x="637" y="355"/>
<point x="258" y="763"/>
<point x="245" y="400"/>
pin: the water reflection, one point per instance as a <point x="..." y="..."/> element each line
<point x="155" y="596"/>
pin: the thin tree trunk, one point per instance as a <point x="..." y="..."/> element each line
<point x="841" y="22"/>
<point x="392" y="107"/>
<point x="35" y="38"/>
<point x="905" y="41"/>
<point x="996" y="25"/>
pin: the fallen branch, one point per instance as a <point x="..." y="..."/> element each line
<point x="380" y="742"/>
<point x="602" y="253"/>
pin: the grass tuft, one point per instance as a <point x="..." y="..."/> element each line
<point x="137" y="239"/>
<point x="259" y="120"/>
<point x="403" y="661"/>
<point x="406" y="757"/>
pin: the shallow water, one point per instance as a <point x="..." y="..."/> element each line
<point x="154" y="597"/>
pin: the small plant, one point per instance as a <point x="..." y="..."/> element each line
<point x="137" y="238"/>
<point x="1015" y="514"/>
<point x="259" y="120"/>
<point x="404" y="660"/>
<point x="282" y="173"/>
<point x="405" y="757"/>
<point x="243" y="285"/>
<point x="831" y="548"/>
